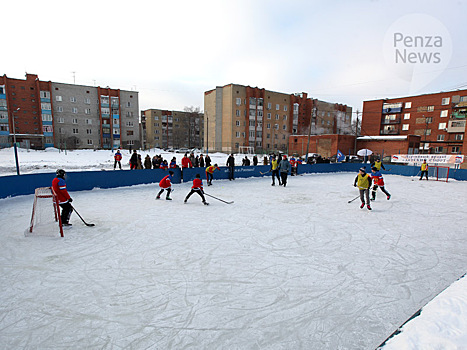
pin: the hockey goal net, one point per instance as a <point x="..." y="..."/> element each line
<point x="438" y="173"/>
<point x="45" y="218"/>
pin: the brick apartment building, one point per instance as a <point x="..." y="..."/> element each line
<point x="439" y="119"/>
<point x="49" y="114"/>
<point x="172" y="129"/>
<point x="239" y="116"/>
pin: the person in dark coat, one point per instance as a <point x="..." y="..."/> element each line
<point x="147" y="162"/>
<point x="207" y="159"/>
<point x="134" y="160"/>
<point x="201" y="161"/>
<point x="255" y="160"/>
<point x="231" y="165"/>
<point x="246" y="161"/>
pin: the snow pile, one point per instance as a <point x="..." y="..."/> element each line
<point x="281" y="268"/>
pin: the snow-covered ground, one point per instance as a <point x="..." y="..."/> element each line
<point x="281" y="268"/>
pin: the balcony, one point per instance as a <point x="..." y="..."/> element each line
<point x="390" y="132"/>
<point x="455" y="126"/>
<point x="460" y="114"/>
<point x="390" y="121"/>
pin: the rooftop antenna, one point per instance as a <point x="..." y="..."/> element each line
<point x="74" y="77"/>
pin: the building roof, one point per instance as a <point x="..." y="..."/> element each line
<point x="382" y="138"/>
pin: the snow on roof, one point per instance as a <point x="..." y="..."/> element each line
<point x="382" y="138"/>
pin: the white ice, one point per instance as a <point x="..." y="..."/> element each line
<point x="281" y="268"/>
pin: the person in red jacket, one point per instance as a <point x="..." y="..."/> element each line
<point x="118" y="158"/>
<point x="166" y="184"/>
<point x="64" y="199"/>
<point x="209" y="171"/>
<point x="186" y="162"/>
<point x="197" y="188"/>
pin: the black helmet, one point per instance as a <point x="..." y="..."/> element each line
<point x="363" y="169"/>
<point x="374" y="168"/>
<point x="60" y="173"/>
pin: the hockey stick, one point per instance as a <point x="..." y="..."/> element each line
<point x="416" y="175"/>
<point x="218" y="198"/>
<point x="265" y="172"/>
<point x="350" y="201"/>
<point x="87" y="224"/>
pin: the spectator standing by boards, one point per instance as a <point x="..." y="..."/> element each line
<point x="231" y="165"/>
<point x="118" y="160"/>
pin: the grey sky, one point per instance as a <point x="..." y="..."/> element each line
<point x="173" y="51"/>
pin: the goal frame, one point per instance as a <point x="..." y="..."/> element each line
<point x="46" y="192"/>
<point x="435" y="175"/>
<point x="249" y="149"/>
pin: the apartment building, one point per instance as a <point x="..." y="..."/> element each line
<point x="49" y="114"/>
<point x="439" y="119"/>
<point x="239" y="117"/>
<point x="172" y="129"/>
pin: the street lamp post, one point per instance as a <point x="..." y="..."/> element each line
<point x="14" y="141"/>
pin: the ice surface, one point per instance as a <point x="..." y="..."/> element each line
<point x="281" y="268"/>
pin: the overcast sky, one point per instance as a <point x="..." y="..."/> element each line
<point x="174" y="51"/>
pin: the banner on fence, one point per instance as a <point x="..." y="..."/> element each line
<point x="430" y="158"/>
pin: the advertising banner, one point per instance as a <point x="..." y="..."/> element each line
<point x="430" y="158"/>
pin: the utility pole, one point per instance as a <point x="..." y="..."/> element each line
<point x="309" y="134"/>
<point x="356" y="133"/>
<point x="14" y="141"/>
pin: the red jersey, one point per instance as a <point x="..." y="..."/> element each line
<point x="165" y="182"/>
<point x="186" y="162"/>
<point x="59" y="188"/>
<point x="118" y="156"/>
<point x="210" y="169"/>
<point x="197" y="184"/>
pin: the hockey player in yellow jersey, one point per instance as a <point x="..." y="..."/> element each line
<point x="363" y="182"/>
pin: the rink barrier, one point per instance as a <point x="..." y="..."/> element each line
<point x="18" y="185"/>
<point x="15" y="185"/>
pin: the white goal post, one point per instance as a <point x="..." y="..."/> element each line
<point x="438" y="173"/>
<point x="246" y="150"/>
<point x="45" y="214"/>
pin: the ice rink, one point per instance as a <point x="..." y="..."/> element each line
<point x="281" y="268"/>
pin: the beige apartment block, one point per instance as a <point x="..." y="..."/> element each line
<point x="242" y="118"/>
<point x="172" y="129"/>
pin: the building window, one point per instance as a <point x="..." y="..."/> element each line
<point x="74" y="110"/>
<point x="455" y="149"/>
<point x="129" y="124"/>
<point x="156" y="117"/>
<point x="58" y="98"/>
<point x="408" y="105"/>
<point x="269" y="105"/>
<point x="459" y="137"/>
<point x="427" y="132"/>
<point x="89" y="121"/>
<point x="405" y="126"/>
<point x="285" y="108"/>
<point x="237" y="123"/>
<point x="74" y="121"/>
<point x="130" y="142"/>
<point x="444" y="113"/>
<point x="105" y="110"/>
<point x="156" y="124"/>
<point x="72" y="99"/>
<point x="442" y="126"/>
<point x="440" y="138"/>
<point x="430" y="108"/>
<point x="61" y="130"/>
<point x="277" y="116"/>
<point x="445" y="101"/>
<point x="237" y="134"/>
<point x="89" y="142"/>
<point x="87" y="111"/>
<point x="61" y="120"/>
<point x="129" y="132"/>
<point x="60" y="109"/>
<point x="277" y="107"/>
<point x="406" y="115"/>
<point x="128" y="104"/>
<point x="87" y="101"/>
<point x="75" y="131"/>
<point x="44" y="94"/>
<point x="238" y="101"/>
<point x="47" y="117"/>
<point x="276" y="126"/>
<point x="89" y="131"/>
<point x="156" y="131"/>
<point x="237" y="113"/>
<point x="439" y="149"/>
<point x="46" y="106"/>
<point x="284" y="127"/>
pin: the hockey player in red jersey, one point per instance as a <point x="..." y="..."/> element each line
<point x="64" y="199"/>
<point x="378" y="181"/>
<point x="197" y="188"/>
<point x="166" y="184"/>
